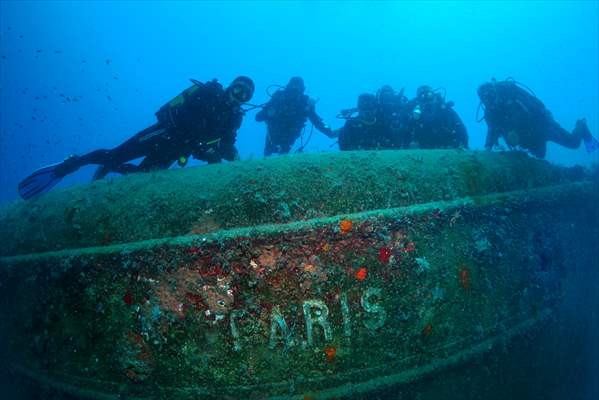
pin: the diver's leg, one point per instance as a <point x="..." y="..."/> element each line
<point x="268" y="150"/>
<point x="459" y="133"/>
<point x="137" y="146"/>
<point x="559" y="135"/>
<point x="281" y="144"/>
<point x="269" y="147"/>
<point x="141" y="144"/>
<point x="73" y="162"/>
<point x="286" y="141"/>
<point x="285" y="148"/>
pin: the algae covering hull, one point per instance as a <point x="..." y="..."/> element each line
<point x="316" y="276"/>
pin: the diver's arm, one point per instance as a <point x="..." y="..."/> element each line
<point x="460" y="132"/>
<point x="492" y="137"/>
<point x="334" y="134"/>
<point x="226" y="145"/>
<point x="261" y="115"/>
<point x="228" y="137"/>
<point x="211" y="158"/>
<point x="231" y="154"/>
<point x="228" y="151"/>
<point x="269" y="110"/>
<point x="462" y="135"/>
<point x="319" y="123"/>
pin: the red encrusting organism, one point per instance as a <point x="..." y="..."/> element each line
<point x="330" y="352"/>
<point x="194" y="299"/>
<point x="409" y="247"/>
<point x="361" y="273"/>
<point x="345" y="225"/>
<point x="193" y="250"/>
<point x="128" y="298"/>
<point x="210" y="270"/>
<point x="465" y="278"/>
<point x="384" y="254"/>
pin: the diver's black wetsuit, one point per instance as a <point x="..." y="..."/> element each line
<point x="371" y="129"/>
<point x="438" y="125"/>
<point x="392" y="113"/>
<point x="286" y="114"/>
<point x="358" y="134"/>
<point x="523" y="120"/>
<point x="202" y="121"/>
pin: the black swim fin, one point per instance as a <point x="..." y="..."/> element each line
<point x="582" y="129"/>
<point x="39" y="182"/>
<point x="591" y="144"/>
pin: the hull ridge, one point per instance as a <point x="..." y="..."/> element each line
<point x="343" y="275"/>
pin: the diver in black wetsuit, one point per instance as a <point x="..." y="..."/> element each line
<point x="286" y="114"/>
<point x="523" y="121"/>
<point x="393" y="114"/>
<point x="434" y="124"/>
<point x="202" y="121"/>
<point x="366" y="131"/>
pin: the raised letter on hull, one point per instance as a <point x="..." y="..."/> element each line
<point x="373" y="308"/>
<point x="278" y="322"/>
<point x="321" y="318"/>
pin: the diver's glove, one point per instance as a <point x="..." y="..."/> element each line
<point x="329" y="132"/>
<point x="334" y="134"/>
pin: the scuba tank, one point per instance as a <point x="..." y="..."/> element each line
<point x="172" y="113"/>
<point x="168" y="112"/>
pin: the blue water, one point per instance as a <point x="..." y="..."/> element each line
<point x="118" y="62"/>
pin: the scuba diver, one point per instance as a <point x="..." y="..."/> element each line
<point x="512" y="111"/>
<point x="366" y="131"/>
<point x="434" y="124"/>
<point x="201" y="121"/>
<point x="393" y="113"/>
<point x="286" y="114"/>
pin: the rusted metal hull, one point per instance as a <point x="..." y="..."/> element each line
<point x="340" y="305"/>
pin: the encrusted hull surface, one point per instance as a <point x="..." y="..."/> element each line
<point x="352" y="275"/>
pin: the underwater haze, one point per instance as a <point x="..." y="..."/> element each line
<point x="77" y="76"/>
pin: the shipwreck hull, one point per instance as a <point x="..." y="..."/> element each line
<point x="316" y="276"/>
